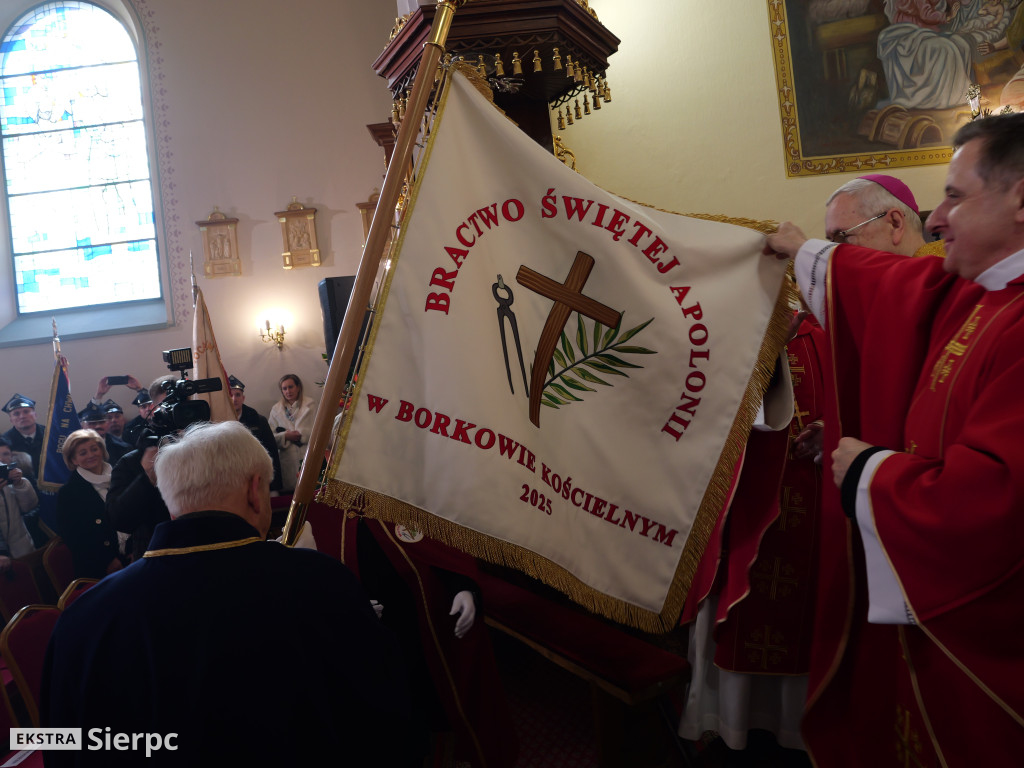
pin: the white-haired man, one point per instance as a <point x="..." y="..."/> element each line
<point x="232" y="649"/>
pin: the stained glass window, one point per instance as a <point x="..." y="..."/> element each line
<point x="76" y="163"/>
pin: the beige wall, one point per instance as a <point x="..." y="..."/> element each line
<point x="265" y="100"/>
<point x="694" y="121"/>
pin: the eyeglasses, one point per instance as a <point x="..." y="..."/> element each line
<point x="842" y="234"/>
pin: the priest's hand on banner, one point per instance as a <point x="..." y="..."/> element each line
<point x="465" y="607"/>
<point x="785" y="242"/>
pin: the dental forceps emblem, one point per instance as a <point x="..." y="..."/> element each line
<point x="505" y="312"/>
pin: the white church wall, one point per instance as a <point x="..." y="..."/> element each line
<point x="260" y="101"/>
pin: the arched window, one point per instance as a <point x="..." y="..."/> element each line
<point x="76" y="162"/>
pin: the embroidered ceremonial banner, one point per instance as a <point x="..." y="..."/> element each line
<point x="207" y="363"/>
<point x="61" y="422"/>
<point x="559" y="380"/>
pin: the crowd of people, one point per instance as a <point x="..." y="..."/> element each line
<point x="107" y="509"/>
<point x="137" y="493"/>
<point x="857" y="599"/>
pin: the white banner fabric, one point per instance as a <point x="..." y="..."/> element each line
<point x="207" y="363"/>
<point x="635" y="333"/>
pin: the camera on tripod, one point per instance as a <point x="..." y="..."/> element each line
<point x="176" y="411"/>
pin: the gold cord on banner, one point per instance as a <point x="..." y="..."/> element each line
<point x="369" y="265"/>
<point x="355" y="500"/>
<point x="361" y="501"/>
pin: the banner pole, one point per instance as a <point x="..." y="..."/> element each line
<point x="369" y="263"/>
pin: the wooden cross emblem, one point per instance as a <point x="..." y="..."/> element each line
<point x="568" y="297"/>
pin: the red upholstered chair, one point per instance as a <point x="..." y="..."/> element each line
<point x="28" y="759"/>
<point x="74" y="590"/>
<point x="23" y="645"/>
<point x="17" y="589"/>
<point x="59" y="565"/>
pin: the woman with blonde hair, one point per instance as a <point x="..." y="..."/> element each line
<point x="81" y="506"/>
<point x="291" y="418"/>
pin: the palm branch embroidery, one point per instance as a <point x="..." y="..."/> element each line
<point x="578" y="366"/>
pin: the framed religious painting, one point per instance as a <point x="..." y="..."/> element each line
<point x="870" y="84"/>
<point x="220" y="245"/>
<point x="298" y="231"/>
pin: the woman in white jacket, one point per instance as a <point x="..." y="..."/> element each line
<point x="291" y="418"/>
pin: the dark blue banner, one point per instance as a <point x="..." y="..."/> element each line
<point x="61" y="422"/>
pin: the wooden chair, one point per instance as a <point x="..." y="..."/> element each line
<point x="17" y="589"/>
<point x="59" y="565"/>
<point x="23" y="646"/>
<point x="75" y="589"/>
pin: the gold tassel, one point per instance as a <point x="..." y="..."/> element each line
<point x="579" y="114"/>
<point x="568" y="115"/>
<point x="557" y="61"/>
<point x="577" y="74"/>
<point x="570" y="68"/>
<point x="607" y="93"/>
<point x="480" y="66"/>
<point x="561" y="120"/>
<point x="499" y="66"/>
<point x="517" y="64"/>
<point x="586" y="105"/>
<point x="536" y="61"/>
<point x="395" y="119"/>
<point x="597" y="99"/>
<point x="590" y="81"/>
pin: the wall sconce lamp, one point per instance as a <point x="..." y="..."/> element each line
<point x="272" y="335"/>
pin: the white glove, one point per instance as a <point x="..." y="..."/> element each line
<point x="377" y="608"/>
<point x="465" y="606"/>
<point x="305" y="540"/>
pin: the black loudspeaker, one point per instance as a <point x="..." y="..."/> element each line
<point x="334" y="295"/>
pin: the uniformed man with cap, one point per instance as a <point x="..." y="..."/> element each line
<point x="94" y="417"/>
<point x="134" y="427"/>
<point x="115" y="419"/>
<point x="25" y="435"/>
<point x="258" y="425"/>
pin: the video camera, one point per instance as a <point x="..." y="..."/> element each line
<point x="176" y="411"/>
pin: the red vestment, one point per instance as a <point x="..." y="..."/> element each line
<point x="760" y="560"/>
<point x="931" y="366"/>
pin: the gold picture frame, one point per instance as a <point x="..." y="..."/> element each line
<point x="220" y="245"/>
<point x="855" y="94"/>
<point x="298" y="232"/>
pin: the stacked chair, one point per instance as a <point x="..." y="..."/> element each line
<point x="23" y="643"/>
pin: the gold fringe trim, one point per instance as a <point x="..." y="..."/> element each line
<point x="934" y="248"/>
<point x="361" y="501"/>
<point x="353" y="499"/>
<point x="477" y="80"/>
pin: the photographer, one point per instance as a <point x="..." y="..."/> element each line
<point x="134" y="505"/>
<point x="19" y="498"/>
